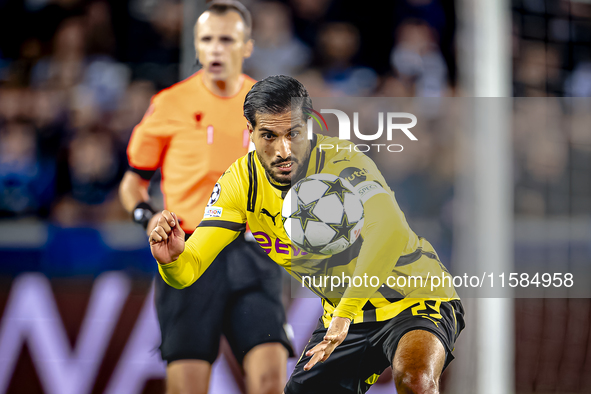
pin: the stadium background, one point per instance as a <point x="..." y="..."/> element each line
<point x="76" y="76"/>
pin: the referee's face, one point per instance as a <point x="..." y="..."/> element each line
<point x="221" y="44"/>
<point x="281" y="145"/>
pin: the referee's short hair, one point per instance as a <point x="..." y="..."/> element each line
<point x="220" y="7"/>
<point x="277" y="94"/>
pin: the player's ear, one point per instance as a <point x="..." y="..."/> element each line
<point x="248" y="47"/>
<point x="250" y="130"/>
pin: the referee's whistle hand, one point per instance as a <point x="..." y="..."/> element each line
<point x="167" y="239"/>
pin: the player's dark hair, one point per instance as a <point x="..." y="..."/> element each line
<point x="220" y="7"/>
<point x="274" y="95"/>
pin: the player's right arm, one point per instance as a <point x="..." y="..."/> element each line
<point x="167" y="239"/>
<point x="182" y="263"/>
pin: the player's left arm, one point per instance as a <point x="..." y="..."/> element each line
<point x="385" y="236"/>
<point x="385" y="233"/>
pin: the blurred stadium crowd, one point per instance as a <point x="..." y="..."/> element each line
<point x="77" y="75"/>
<point x="552" y="58"/>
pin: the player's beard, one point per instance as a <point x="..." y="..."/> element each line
<point x="294" y="176"/>
<point x="271" y="174"/>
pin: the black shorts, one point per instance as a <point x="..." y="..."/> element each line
<point x="239" y="296"/>
<point x="369" y="349"/>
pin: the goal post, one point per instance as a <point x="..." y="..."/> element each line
<point x="484" y="191"/>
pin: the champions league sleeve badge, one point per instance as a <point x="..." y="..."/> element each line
<point x="215" y="194"/>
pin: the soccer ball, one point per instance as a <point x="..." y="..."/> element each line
<point x="322" y="214"/>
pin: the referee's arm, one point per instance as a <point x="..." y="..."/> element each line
<point x="133" y="194"/>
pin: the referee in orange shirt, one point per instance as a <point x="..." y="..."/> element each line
<point x="194" y="131"/>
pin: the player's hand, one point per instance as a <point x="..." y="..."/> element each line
<point x="335" y="335"/>
<point x="167" y="239"/>
<point x="153" y="223"/>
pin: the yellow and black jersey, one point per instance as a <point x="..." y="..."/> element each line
<point x="387" y="248"/>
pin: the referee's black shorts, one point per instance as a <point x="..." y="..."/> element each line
<point x="239" y="296"/>
<point x="369" y="349"/>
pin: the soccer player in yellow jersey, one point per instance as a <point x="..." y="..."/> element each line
<point x="413" y="328"/>
<point x="193" y="131"/>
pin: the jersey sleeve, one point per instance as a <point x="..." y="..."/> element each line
<point x="223" y="221"/>
<point x="363" y="174"/>
<point x="201" y="249"/>
<point x="226" y="206"/>
<point x="150" y="138"/>
<point x="385" y="230"/>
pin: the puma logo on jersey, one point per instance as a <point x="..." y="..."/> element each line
<point x="265" y="212"/>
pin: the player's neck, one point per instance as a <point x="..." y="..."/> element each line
<point x="225" y="88"/>
<point x="277" y="185"/>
